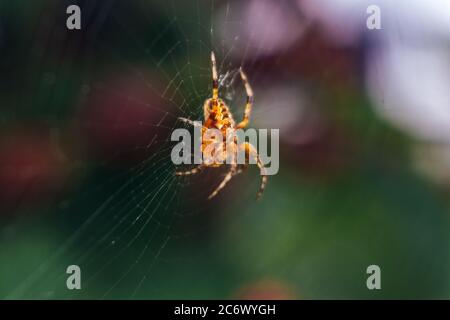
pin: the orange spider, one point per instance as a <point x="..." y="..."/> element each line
<point x="217" y="115"/>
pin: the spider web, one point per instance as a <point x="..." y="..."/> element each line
<point x="138" y="213"/>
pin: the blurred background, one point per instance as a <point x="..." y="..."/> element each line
<point x="85" y="171"/>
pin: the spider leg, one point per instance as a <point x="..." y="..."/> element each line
<point x="249" y="103"/>
<point x="189" y="121"/>
<point x="190" y="172"/>
<point x="241" y="169"/>
<point x="224" y="182"/>
<point x="250" y="150"/>
<point x="215" y="81"/>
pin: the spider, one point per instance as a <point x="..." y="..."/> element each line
<point x="217" y="115"/>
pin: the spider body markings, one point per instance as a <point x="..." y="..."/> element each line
<point x="217" y="115"/>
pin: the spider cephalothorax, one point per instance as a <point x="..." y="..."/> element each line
<point x="217" y="115"/>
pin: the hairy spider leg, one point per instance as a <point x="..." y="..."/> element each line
<point x="225" y="180"/>
<point x="215" y="80"/>
<point x="190" y="172"/>
<point x="249" y="103"/>
<point x="199" y="167"/>
<point x="185" y="120"/>
<point x="250" y="150"/>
